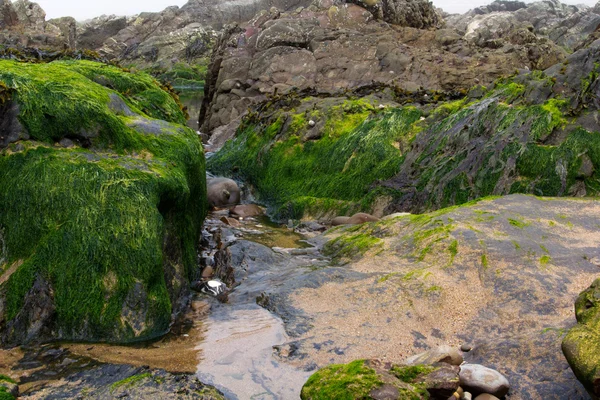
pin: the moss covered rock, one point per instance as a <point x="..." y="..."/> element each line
<point x="581" y="346"/>
<point x="103" y="195"/>
<point x="375" y="379"/>
<point x="534" y="133"/>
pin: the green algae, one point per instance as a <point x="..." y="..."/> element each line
<point x="131" y="381"/>
<point x="345" y="382"/>
<point x="357" y="147"/>
<point x="98" y="224"/>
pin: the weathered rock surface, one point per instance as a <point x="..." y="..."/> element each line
<point x="332" y="51"/>
<point x="519" y="277"/>
<point x="446" y="354"/>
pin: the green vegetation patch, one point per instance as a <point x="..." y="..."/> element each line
<point x="104" y="223"/>
<point x="344" y="382"/>
<point x="410" y="373"/>
<point x="131" y="381"/>
<point x="357" y="146"/>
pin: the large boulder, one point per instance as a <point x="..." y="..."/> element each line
<point x="581" y="346"/>
<point x="103" y="196"/>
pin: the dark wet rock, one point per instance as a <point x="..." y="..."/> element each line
<point x="466" y="348"/>
<point x="479" y="379"/>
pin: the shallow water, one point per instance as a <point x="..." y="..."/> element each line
<point x="192" y="99"/>
<point x="238" y="355"/>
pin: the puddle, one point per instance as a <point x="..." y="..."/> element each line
<point x="238" y="355"/>
<point x="262" y="230"/>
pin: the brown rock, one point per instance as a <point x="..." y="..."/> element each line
<point x="230" y="221"/>
<point x="486" y="396"/>
<point x="246" y="210"/>
<point x="443" y="354"/>
<point x="361" y="218"/>
<point x="337" y="221"/>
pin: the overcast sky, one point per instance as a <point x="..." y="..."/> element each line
<point x="84" y="9"/>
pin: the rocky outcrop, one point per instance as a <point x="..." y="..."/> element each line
<point x="344" y="48"/>
<point x="419" y="14"/>
<point x="565" y="25"/>
<point x="111" y="255"/>
<point x="23" y="24"/>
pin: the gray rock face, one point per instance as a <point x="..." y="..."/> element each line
<point x="479" y="379"/>
<point x="413" y="13"/>
<point x="343" y="48"/>
<point x="564" y="25"/>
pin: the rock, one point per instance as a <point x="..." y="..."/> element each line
<point x="337" y="221"/>
<point x="361" y="218"/>
<point x="207" y="272"/>
<point x="399" y="381"/>
<point x="444" y="354"/>
<point x="466" y="348"/>
<point x="230" y="221"/>
<point x="467" y="396"/>
<point x="486" y="396"/>
<point x="582" y="343"/>
<point x="156" y="199"/>
<point x="478" y="379"/>
<point x="10" y="387"/>
<point x="413" y="13"/>
<point x="246" y="210"/>
<point x="222" y="192"/>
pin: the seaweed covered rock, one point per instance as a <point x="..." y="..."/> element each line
<point x="533" y="132"/>
<point x="375" y="379"/>
<point x="103" y="194"/>
<point x="581" y="346"/>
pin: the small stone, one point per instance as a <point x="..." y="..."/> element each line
<point x="467" y="396"/>
<point x="479" y="379"/>
<point x="246" y="210"/>
<point x="486" y="396"/>
<point x="207" y="272"/>
<point x="311" y="123"/>
<point x="381" y="106"/>
<point x="445" y="354"/>
<point x="230" y="221"/>
<point x="466" y="348"/>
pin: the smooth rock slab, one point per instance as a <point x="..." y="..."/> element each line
<point x="478" y="379"/>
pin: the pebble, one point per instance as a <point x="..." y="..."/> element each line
<point x="311" y="123"/>
<point x="486" y="396"/>
<point x="446" y="354"/>
<point x="467" y="396"/>
<point x="466" y="348"/>
<point x="479" y="379"/>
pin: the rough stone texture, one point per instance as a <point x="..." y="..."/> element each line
<point x="413" y="13"/>
<point x="565" y="25"/>
<point x="343" y="48"/>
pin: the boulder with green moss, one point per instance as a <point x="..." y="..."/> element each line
<point x="103" y="194"/>
<point x="375" y="379"/>
<point x="581" y="346"/>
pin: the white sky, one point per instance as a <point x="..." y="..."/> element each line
<point x="84" y="9"/>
